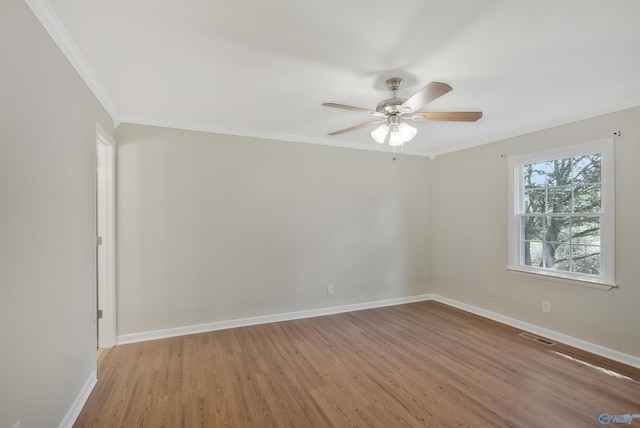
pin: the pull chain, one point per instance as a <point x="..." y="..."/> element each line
<point x="395" y="156"/>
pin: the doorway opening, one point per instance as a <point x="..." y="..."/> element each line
<point x="105" y="240"/>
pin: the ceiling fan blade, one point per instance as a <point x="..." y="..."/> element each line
<point x="452" y="116"/>
<point x="353" y="128"/>
<point x="427" y="94"/>
<point x="362" y="110"/>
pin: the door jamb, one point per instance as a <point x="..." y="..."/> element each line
<point x="108" y="301"/>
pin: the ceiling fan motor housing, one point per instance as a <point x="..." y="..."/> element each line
<point x="390" y="106"/>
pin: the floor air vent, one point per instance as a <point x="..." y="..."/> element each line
<point x="537" y="339"/>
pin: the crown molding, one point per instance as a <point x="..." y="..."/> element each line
<point x="45" y="13"/>
<point x="43" y="10"/>
<point x="267" y="135"/>
<point x="606" y="109"/>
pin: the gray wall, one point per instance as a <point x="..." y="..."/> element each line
<point x="214" y="227"/>
<point x="470" y="237"/>
<point x="47" y="224"/>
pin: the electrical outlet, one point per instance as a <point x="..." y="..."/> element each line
<point x="492" y="292"/>
<point x="330" y="289"/>
<point x="546" y="306"/>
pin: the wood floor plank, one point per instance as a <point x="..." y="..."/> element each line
<point x="414" y="365"/>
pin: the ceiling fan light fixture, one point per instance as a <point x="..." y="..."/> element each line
<point x="407" y="131"/>
<point x="396" y="139"/>
<point x="380" y="133"/>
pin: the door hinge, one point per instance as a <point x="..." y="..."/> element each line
<point x="99" y="314"/>
<point x="98" y="240"/>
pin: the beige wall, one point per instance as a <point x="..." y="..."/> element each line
<point x="470" y="237"/>
<point x="47" y="224"/>
<point x="214" y="227"/>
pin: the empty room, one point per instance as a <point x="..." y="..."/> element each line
<point x="319" y="214"/>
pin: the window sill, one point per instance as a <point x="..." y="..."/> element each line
<point x="565" y="279"/>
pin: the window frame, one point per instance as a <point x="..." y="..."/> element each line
<point x="605" y="147"/>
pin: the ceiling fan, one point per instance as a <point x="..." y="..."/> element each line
<point x="395" y="112"/>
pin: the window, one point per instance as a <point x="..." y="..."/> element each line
<point x="561" y="219"/>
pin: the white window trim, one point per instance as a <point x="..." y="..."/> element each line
<point x="606" y="279"/>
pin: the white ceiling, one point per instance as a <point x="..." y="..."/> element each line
<point x="263" y="68"/>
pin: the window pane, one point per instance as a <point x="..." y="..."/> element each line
<point x="533" y="228"/>
<point x="586" y="169"/>
<point x="586" y="259"/>
<point x="587" y="198"/>
<point x="585" y="230"/>
<point x="532" y="253"/>
<point x="559" y="172"/>
<point x="534" y="201"/>
<point x="557" y="229"/>
<point x="558" y="256"/>
<point x="534" y="175"/>
<point x="559" y="200"/>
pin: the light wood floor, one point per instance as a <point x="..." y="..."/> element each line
<point x="421" y="364"/>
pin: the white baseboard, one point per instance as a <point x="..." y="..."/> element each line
<point x="75" y="409"/>
<point x="522" y="325"/>
<point x="243" y="322"/>
<point x="541" y="331"/>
